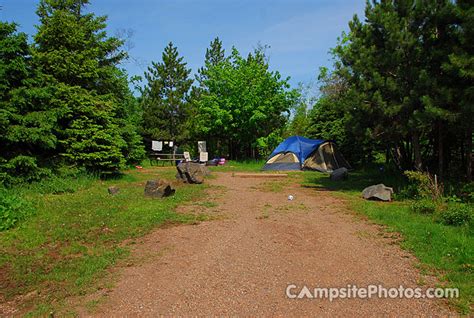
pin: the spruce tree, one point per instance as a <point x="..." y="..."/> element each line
<point x="26" y="120"/>
<point x="73" y="50"/>
<point x="166" y="98"/>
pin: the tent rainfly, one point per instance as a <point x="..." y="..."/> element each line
<point x="300" y="153"/>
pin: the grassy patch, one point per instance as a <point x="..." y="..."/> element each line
<point x="73" y="238"/>
<point x="443" y="250"/>
<point x="207" y="204"/>
<point x="240" y="166"/>
<point x="272" y="186"/>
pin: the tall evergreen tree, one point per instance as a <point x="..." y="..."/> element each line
<point x="26" y="120"/>
<point x="166" y="98"/>
<point x="460" y="67"/>
<point x="72" y="49"/>
<point x="407" y="84"/>
<point x="215" y="54"/>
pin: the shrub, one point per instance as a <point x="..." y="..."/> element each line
<point x="13" y="209"/>
<point x="467" y="192"/>
<point x="55" y="185"/>
<point x="69" y="181"/>
<point x="265" y="145"/>
<point x="457" y="214"/>
<point x="21" y="169"/>
<point x="424" y="185"/>
<point x="424" y="206"/>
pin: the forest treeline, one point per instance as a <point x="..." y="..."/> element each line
<point x="400" y="87"/>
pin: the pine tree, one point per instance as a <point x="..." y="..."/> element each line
<point x="215" y="54"/>
<point x="460" y="67"/>
<point x="166" y="98"/>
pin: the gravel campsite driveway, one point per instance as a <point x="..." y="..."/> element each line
<point x="260" y="242"/>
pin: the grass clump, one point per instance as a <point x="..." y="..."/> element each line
<point x="457" y="214"/>
<point x="424" y="206"/>
<point x="240" y="166"/>
<point x="13" y="209"/>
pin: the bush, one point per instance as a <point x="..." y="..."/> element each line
<point x="457" y="214"/>
<point x="69" y="181"/>
<point x="265" y="145"/>
<point x="55" y="185"/>
<point x="13" y="209"/>
<point x="424" y="206"/>
<point x="21" y="169"/>
<point x="467" y="192"/>
<point x="423" y="185"/>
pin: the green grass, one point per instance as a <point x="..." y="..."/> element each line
<point x="240" y="166"/>
<point x="446" y="251"/>
<point x="74" y="237"/>
<point x="207" y="204"/>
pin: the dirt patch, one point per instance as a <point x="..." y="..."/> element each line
<point x="242" y="264"/>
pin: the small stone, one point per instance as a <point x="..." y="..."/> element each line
<point x="113" y="190"/>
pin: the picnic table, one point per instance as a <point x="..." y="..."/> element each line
<point x="165" y="157"/>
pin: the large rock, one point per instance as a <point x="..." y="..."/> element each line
<point x="378" y="192"/>
<point x="191" y="172"/>
<point x="339" y="174"/>
<point x="158" y="189"/>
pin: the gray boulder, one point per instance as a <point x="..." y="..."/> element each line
<point x="339" y="174"/>
<point x="158" y="189"/>
<point x="113" y="190"/>
<point x="378" y="192"/>
<point x="191" y="172"/>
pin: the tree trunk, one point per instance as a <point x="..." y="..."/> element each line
<point x="469" y="154"/>
<point x="417" y="151"/>
<point x="440" y="151"/>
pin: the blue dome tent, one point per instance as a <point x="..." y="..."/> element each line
<point x="300" y="153"/>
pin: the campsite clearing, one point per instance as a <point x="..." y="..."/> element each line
<point x="260" y="242"/>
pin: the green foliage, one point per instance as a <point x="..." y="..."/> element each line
<point x="215" y="55"/>
<point x="26" y="121"/>
<point x="13" y="209"/>
<point x="96" y="124"/>
<point x="300" y="120"/>
<point x="240" y="101"/>
<point x="165" y="98"/>
<point x="457" y="214"/>
<point x="60" y="183"/>
<point x="467" y="192"/>
<point x="422" y="185"/>
<point x="265" y="145"/>
<point x="401" y="85"/>
<point x="424" y="206"/>
<point x="91" y="138"/>
<point x="331" y="119"/>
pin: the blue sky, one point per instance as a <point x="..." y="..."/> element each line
<point x="300" y="32"/>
